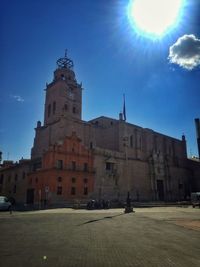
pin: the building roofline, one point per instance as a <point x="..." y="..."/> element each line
<point x="131" y="124"/>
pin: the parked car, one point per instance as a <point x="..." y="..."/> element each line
<point x="5" y="204"/>
<point x="195" y="199"/>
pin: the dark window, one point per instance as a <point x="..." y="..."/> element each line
<point x="23" y="175"/>
<point x="96" y="122"/>
<point x="59" y="190"/>
<point x="59" y="179"/>
<point x="85" y="190"/>
<point x="131" y="141"/>
<point x="37" y="166"/>
<point x="111" y="123"/>
<point x="140" y="142"/>
<point x="74" y="110"/>
<point x="73" y="148"/>
<point x="91" y="145"/>
<point x="66" y="107"/>
<point x="109" y="166"/>
<point x="60" y="164"/>
<point x="85" y="180"/>
<point x="54" y="107"/>
<point x="73" y="180"/>
<point x="16" y="177"/>
<point x="73" y="165"/>
<point x="36" y="180"/>
<point x="1" y="179"/>
<point x="14" y="189"/>
<point x="49" y="110"/>
<point x="176" y="161"/>
<point x="73" y="191"/>
<point x="180" y="186"/>
<point x="9" y="178"/>
<point x="85" y="168"/>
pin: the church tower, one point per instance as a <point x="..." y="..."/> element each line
<point x="63" y="94"/>
<point x="63" y="106"/>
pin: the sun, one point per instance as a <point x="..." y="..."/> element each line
<point x="155" y="17"/>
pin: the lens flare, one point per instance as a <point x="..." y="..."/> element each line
<point x="155" y="17"/>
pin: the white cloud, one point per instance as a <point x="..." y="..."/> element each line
<point x="186" y="52"/>
<point x="18" y="98"/>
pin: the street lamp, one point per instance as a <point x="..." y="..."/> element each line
<point x="128" y="207"/>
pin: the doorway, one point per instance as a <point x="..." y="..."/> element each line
<point x="160" y="190"/>
<point x="30" y="196"/>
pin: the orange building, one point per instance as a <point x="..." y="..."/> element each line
<point x="66" y="174"/>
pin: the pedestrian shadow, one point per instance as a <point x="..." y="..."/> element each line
<point x="101" y="219"/>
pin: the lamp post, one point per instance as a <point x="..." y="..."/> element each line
<point x="128" y="207"/>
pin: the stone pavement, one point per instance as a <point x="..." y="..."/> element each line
<point x="156" y="237"/>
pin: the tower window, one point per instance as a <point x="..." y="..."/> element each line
<point x="54" y="107"/>
<point x="49" y="110"/>
<point x="74" y="110"/>
<point x="62" y="76"/>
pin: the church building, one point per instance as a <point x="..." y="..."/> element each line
<point x="104" y="158"/>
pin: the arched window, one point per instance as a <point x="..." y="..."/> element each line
<point x="74" y="110"/>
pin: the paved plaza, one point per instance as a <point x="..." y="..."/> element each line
<point x="154" y="237"/>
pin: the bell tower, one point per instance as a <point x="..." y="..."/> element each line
<point x="63" y="94"/>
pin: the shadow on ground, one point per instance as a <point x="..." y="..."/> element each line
<point x="101" y="219"/>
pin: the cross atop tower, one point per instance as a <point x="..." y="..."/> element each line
<point x="65" y="62"/>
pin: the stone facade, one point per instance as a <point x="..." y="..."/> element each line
<point x="14" y="179"/>
<point x="126" y="157"/>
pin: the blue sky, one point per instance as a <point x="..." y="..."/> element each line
<point x="110" y="58"/>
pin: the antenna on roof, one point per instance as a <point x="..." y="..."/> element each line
<point x="124" y="109"/>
